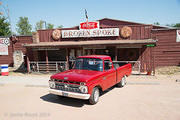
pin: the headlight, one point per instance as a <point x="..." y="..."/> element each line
<point x="84" y="89"/>
<point x="52" y="84"/>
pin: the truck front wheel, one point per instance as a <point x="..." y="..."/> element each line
<point x="122" y="83"/>
<point x="94" y="96"/>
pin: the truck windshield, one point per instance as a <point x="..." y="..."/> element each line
<point x="89" y="64"/>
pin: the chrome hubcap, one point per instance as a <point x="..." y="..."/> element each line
<point x="96" y="95"/>
<point x="123" y="81"/>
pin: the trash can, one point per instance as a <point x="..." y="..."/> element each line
<point x="4" y="70"/>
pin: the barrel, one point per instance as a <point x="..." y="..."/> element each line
<point x="4" y="70"/>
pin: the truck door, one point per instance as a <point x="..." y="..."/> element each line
<point x="109" y="78"/>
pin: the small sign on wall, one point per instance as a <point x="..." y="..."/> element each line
<point x="89" y="25"/>
<point x="4" y="43"/>
<point x="178" y="36"/>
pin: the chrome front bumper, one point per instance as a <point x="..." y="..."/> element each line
<point x="69" y="94"/>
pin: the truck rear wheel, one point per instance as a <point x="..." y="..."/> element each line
<point x="94" y="96"/>
<point x="122" y="83"/>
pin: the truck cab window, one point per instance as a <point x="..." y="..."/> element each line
<point x="107" y="65"/>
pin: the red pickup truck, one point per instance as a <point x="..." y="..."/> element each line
<point x="89" y="76"/>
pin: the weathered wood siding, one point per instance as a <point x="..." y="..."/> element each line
<point x="167" y="51"/>
<point x="8" y="59"/>
<point x="139" y="31"/>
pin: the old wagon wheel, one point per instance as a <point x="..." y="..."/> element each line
<point x="126" y="32"/>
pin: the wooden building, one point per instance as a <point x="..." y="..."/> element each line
<point x="124" y="41"/>
<point x="16" y="44"/>
<point x="130" y="48"/>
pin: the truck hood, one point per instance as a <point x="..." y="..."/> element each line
<point x="77" y="75"/>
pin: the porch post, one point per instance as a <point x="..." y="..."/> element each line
<point x="47" y="61"/>
<point x="28" y="62"/>
<point x="116" y="53"/>
<point x="67" y="58"/>
<point x="93" y="51"/>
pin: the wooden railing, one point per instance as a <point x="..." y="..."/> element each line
<point x="51" y="66"/>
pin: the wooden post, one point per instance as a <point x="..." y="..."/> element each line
<point x="140" y="59"/>
<point x="116" y="53"/>
<point x="67" y="59"/>
<point x="93" y="51"/>
<point x="47" y="61"/>
<point x="28" y="63"/>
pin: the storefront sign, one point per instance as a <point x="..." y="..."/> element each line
<point x="89" y="25"/>
<point x="178" y="36"/>
<point x="4" y="42"/>
<point x="90" y="33"/>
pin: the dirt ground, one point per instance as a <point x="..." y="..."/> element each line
<point x="143" y="98"/>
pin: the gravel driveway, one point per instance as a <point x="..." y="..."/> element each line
<point x="144" y="98"/>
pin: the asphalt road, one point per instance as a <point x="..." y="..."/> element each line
<point x="143" y="98"/>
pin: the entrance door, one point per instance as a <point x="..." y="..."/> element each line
<point x="128" y="54"/>
<point x="110" y="51"/>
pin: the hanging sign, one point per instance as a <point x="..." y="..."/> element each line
<point x="89" y="25"/>
<point x="4" y="43"/>
<point x="178" y="36"/>
<point x="90" y="33"/>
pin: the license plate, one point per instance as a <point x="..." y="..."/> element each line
<point x="64" y="94"/>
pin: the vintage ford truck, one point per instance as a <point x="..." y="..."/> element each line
<point x="89" y="76"/>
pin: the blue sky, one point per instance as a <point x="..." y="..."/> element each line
<point x="70" y="13"/>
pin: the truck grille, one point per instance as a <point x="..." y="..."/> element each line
<point x="65" y="81"/>
<point x="68" y="87"/>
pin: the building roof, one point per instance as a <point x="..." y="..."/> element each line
<point x="159" y="27"/>
<point x="86" y="43"/>
<point x="110" y="19"/>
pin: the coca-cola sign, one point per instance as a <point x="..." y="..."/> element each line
<point x="89" y="25"/>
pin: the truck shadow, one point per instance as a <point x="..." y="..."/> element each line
<point x="64" y="100"/>
<point x="70" y="101"/>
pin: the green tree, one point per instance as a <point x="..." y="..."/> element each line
<point x="173" y="25"/>
<point x="4" y="27"/>
<point x="39" y="25"/>
<point x="176" y="25"/>
<point x="156" y="23"/>
<point x="50" y="26"/>
<point x="23" y="26"/>
<point x="60" y="26"/>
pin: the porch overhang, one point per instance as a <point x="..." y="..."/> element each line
<point x="92" y="42"/>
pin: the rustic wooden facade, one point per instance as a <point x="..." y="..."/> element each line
<point x="123" y="51"/>
<point x="167" y="50"/>
<point x="16" y="43"/>
<point x="132" y="48"/>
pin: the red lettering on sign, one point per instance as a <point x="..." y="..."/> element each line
<point x="89" y="25"/>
